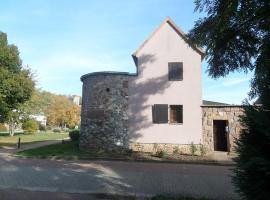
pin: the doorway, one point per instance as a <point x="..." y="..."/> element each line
<point x="220" y="135"/>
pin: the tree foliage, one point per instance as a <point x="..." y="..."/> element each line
<point x="59" y="109"/>
<point x="16" y="84"/>
<point x="38" y="104"/>
<point x="236" y="36"/>
<point x="30" y="126"/>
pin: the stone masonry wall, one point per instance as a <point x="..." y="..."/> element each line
<point x="167" y="148"/>
<point x="229" y="113"/>
<point x="104" y="119"/>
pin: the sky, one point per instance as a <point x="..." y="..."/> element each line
<point x="60" y="40"/>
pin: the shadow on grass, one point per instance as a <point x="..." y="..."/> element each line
<point x="6" y="134"/>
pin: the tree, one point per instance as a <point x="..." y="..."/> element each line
<point x="72" y="116"/>
<point x="38" y="104"/>
<point x="62" y="112"/>
<point x="16" y="84"/>
<point x="236" y="36"/>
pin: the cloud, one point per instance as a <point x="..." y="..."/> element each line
<point x="234" y="81"/>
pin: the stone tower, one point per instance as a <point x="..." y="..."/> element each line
<point x="104" y="117"/>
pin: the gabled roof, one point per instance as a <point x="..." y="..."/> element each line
<point x="178" y="31"/>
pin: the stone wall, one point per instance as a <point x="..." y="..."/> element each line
<point x="167" y="148"/>
<point x="104" y="119"/>
<point x="229" y="113"/>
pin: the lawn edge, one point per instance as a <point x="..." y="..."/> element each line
<point x="63" y="158"/>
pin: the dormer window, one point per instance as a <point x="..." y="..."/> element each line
<point x="175" y="71"/>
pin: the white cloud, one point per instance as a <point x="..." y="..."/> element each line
<point x="234" y="81"/>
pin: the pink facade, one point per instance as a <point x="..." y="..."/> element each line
<point x="151" y="86"/>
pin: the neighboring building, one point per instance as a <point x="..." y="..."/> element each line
<point x="159" y="107"/>
<point x="40" y="118"/>
<point x="75" y="99"/>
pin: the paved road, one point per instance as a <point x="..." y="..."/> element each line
<point x="124" y="178"/>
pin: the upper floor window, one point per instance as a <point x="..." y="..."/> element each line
<point x="175" y="71"/>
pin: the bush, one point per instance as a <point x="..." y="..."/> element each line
<point x="74" y="135"/>
<point x="193" y="148"/>
<point x="252" y="171"/>
<point x="203" y="150"/>
<point x="56" y="130"/>
<point x="160" y="153"/>
<point x="42" y="127"/>
<point x="176" y="150"/>
<point x="30" y="126"/>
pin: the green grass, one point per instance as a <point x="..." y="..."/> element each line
<point x="6" y="140"/>
<point x="69" y="150"/>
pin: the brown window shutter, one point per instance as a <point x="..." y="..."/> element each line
<point x="160" y="113"/>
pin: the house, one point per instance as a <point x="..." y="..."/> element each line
<point x="42" y="119"/>
<point x="158" y="107"/>
<point x="75" y="99"/>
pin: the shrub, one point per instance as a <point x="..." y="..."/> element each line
<point x="252" y="171"/>
<point x="193" y="148"/>
<point x="202" y="150"/>
<point x="74" y="135"/>
<point x="30" y="126"/>
<point x="176" y="150"/>
<point x="56" y="130"/>
<point x="160" y="153"/>
<point x="42" y="127"/>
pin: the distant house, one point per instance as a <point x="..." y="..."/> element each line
<point x="75" y="99"/>
<point x="40" y="118"/>
<point x="160" y="106"/>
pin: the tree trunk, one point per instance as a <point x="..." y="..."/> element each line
<point x="11" y="127"/>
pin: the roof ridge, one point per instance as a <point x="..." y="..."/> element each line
<point x="177" y="29"/>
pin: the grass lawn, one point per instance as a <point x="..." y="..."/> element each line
<point x="69" y="150"/>
<point x="6" y="140"/>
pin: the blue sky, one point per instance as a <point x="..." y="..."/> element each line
<point x="64" y="39"/>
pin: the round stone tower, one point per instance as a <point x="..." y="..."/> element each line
<point x="104" y="117"/>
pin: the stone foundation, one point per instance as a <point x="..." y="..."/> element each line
<point x="167" y="148"/>
<point x="231" y="114"/>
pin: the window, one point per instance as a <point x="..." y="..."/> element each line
<point x="176" y="114"/>
<point x="160" y="113"/>
<point x="175" y="71"/>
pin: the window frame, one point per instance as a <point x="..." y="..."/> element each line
<point x="182" y="114"/>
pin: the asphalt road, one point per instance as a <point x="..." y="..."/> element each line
<point x="112" y="177"/>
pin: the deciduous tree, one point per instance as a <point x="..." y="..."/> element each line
<point x="16" y="83"/>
